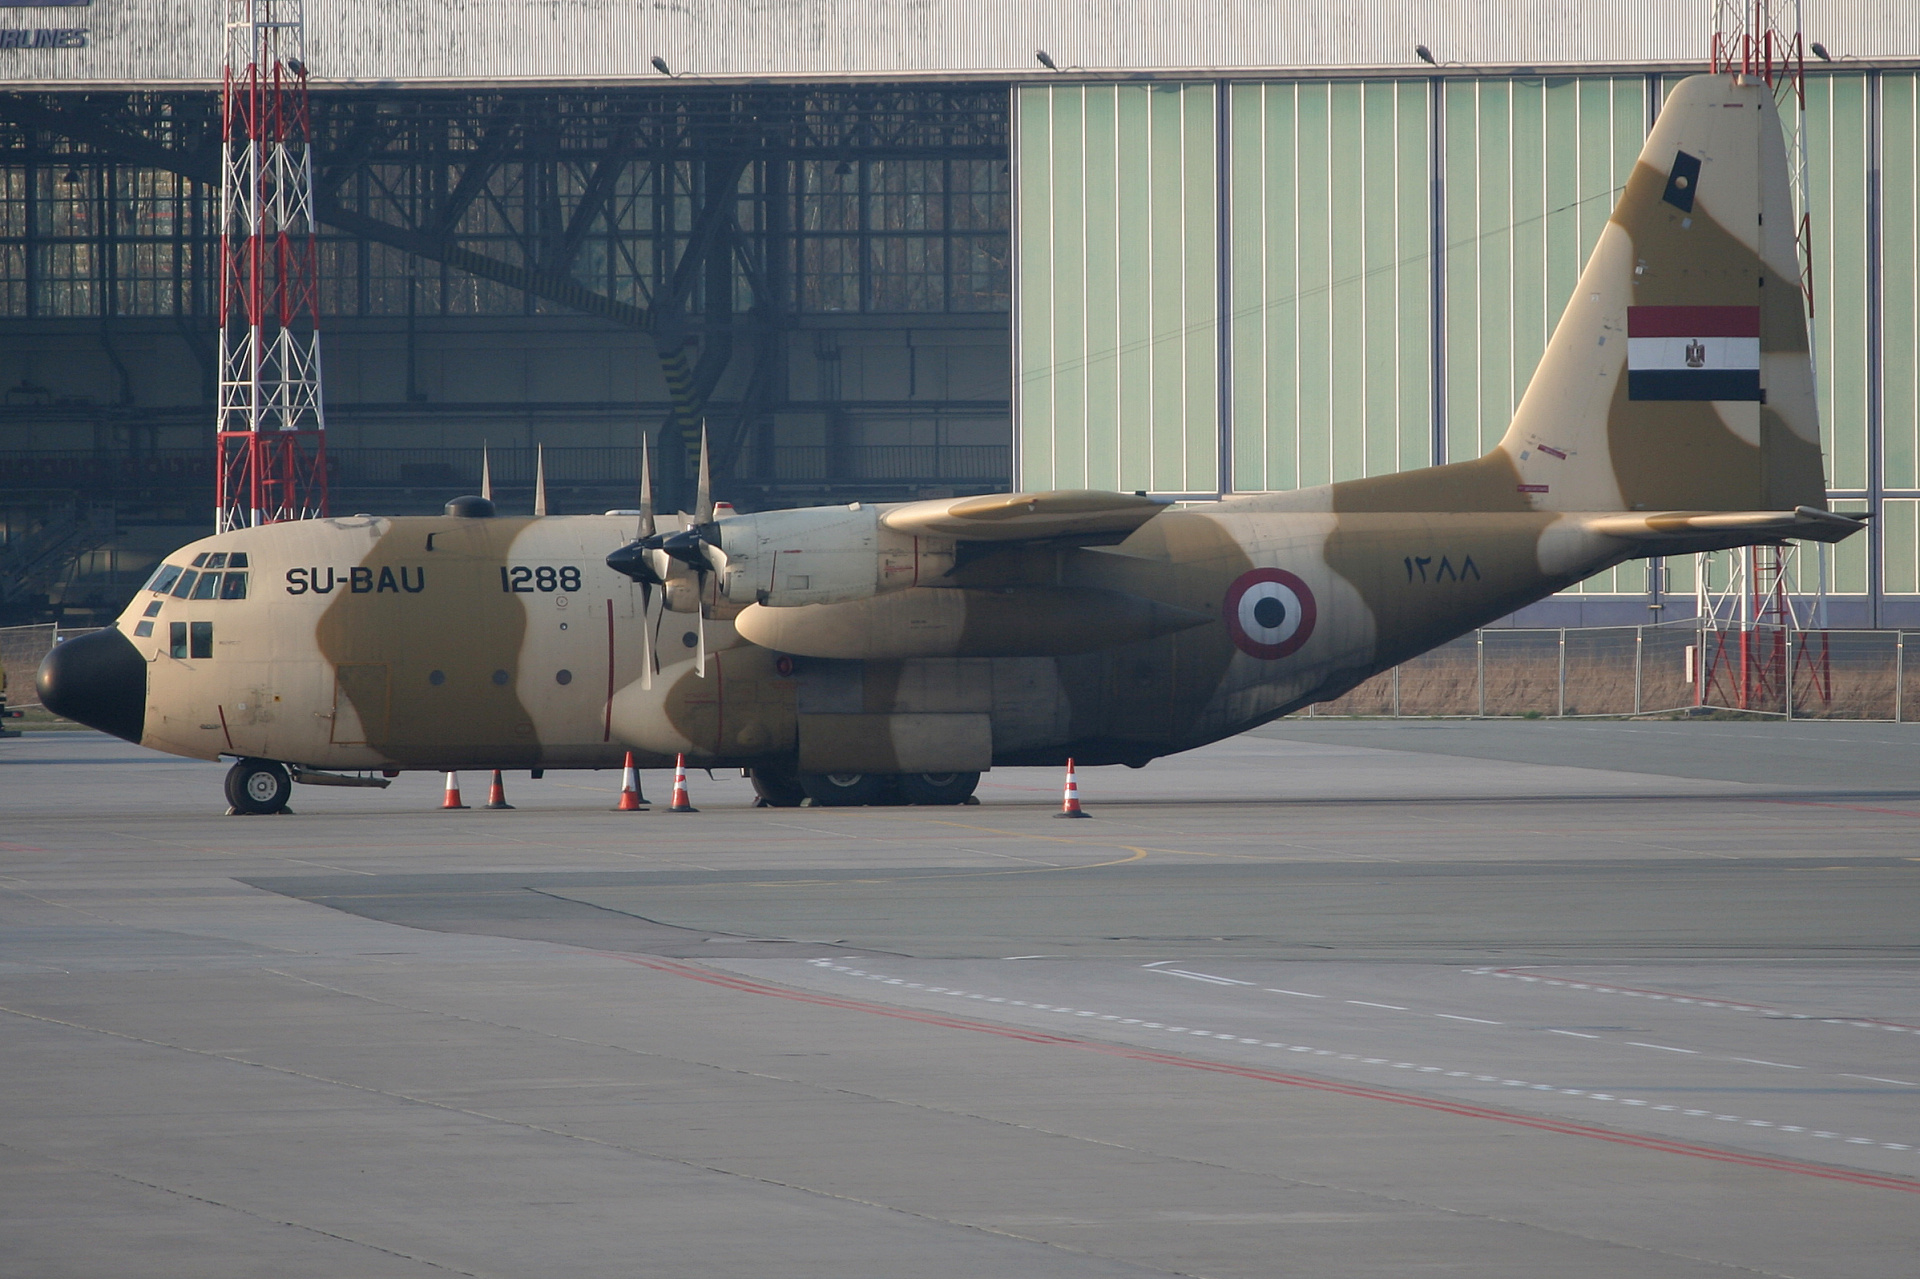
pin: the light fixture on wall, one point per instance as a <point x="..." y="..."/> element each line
<point x="1425" y="55"/>
<point x="1820" y="51"/>
<point x="660" y="65"/>
<point x="1044" y="59"/>
<point x="844" y="169"/>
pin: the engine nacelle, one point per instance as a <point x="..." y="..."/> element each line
<point x="824" y="555"/>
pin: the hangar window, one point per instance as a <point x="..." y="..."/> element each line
<point x="202" y="633"/>
<point x="902" y="235"/>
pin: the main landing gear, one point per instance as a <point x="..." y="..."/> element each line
<point x="258" y="786"/>
<point x="784" y="787"/>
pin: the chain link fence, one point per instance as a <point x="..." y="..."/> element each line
<point x="1645" y="670"/>
<point x="21" y="648"/>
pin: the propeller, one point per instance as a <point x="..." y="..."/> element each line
<point x="698" y="547"/>
<point x="642" y="561"/>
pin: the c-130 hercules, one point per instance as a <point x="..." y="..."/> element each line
<point x="864" y="653"/>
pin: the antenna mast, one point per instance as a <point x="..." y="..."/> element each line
<point x="271" y="429"/>
<point x="1753" y="647"/>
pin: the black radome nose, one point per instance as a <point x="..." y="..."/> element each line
<point x="99" y="680"/>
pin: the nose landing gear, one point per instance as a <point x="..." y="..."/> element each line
<point x="258" y="786"/>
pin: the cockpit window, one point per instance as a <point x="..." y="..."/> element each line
<point x="164" y="578"/>
<point x="200" y="560"/>
<point x="153" y="609"/>
<point x="233" y="586"/>
<point x="237" y="559"/>
<point x="208" y="588"/>
<point x="182" y="587"/>
<point x="217" y="560"/>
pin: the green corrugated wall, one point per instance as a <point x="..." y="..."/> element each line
<point x="1311" y="205"/>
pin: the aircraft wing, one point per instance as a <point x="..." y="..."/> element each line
<point x="1017" y="517"/>
<point x="1731" y="528"/>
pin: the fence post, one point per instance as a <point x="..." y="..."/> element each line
<point x="1396" y="692"/>
<point x="1639" y="650"/>
<point x="1789" y="680"/>
<point x="1480" y="671"/>
<point x="1561" y="713"/>
<point x="1899" y="677"/>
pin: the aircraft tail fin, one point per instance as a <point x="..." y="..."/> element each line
<point x="1680" y="376"/>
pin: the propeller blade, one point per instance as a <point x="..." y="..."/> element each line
<point x="646" y="487"/>
<point x="700" y="640"/>
<point x="486" y="473"/>
<point x="703" y="496"/>
<point x="646" y="635"/>
<point x="540" y="481"/>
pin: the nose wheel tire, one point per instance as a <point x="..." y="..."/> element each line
<point x="845" y="790"/>
<point x="937" y="788"/>
<point x="258" y="786"/>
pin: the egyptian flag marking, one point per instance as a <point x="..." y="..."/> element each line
<point x="1693" y="353"/>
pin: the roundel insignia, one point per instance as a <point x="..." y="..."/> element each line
<point x="1269" y="613"/>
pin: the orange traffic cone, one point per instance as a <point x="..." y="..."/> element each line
<point x="453" y="792"/>
<point x="497" y="793"/>
<point x="1070" y="800"/>
<point x="631" y="800"/>
<point x="680" y="802"/>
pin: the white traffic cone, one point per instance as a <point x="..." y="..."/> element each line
<point x="681" y="804"/>
<point x="453" y="792"/>
<point x="631" y="800"/>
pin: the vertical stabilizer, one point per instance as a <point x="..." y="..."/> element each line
<point x="1679" y="376"/>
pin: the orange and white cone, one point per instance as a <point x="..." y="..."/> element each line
<point x="497" y="793"/>
<point x="453" y="792"/>
<point x="631" y="800"/>
<point x="680" y="802"/>
<point x="1070" y="798"/>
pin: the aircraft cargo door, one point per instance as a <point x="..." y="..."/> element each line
<point x="360" y="704"/>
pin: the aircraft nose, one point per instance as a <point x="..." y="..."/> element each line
<point x="99" y="680"/>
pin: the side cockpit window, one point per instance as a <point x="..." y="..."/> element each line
<point x="176" y="639"/>
<point x="233" y="586"/>
<point x="184" y="587"/>
<point x="164" y="579"/>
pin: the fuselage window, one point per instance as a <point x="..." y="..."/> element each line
<point x="164" y="578"/>
<point x="217" y="560"/>
<point x="176" y="639"/>
<point x="233" y="586"/>
<point x="142" y="630"/>
<point x="208" y="587"/>
<point x="185" y="584"/>
<point x="202" y="639"/>
<point x="153" y="609"/>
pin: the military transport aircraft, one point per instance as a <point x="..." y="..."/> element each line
<point x="867" y="654"/>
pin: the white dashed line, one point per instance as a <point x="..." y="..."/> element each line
<point x="1600" y="988"/>
<point x="1665" y="1048"/>
<point x="1878" y="1080"/>
<point x="1206" y="977"/>
<point x="1391" y="1064"/>
<point x="1755" y="1061"/>
<point x="1481" y="1020"/>
<point x="1275" y="990"/>
<point x="1365" y="1003"/>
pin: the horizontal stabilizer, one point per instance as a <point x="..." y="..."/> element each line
<point x="1015" y="517"/>
<point x="1733" y="528"/>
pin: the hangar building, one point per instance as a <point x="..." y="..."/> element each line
<point x="887" y="251"/>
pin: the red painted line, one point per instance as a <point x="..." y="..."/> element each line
<point x="1736" y="1005"/>
<point x="748" y="986"/>
<point x="1693" y="321"/>
<point x="223" y="725"/>
<point x="1857" y="808"/>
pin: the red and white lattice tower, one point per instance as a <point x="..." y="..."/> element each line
<point x="272" y="431"/>
<point x="1754" y="644"/>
